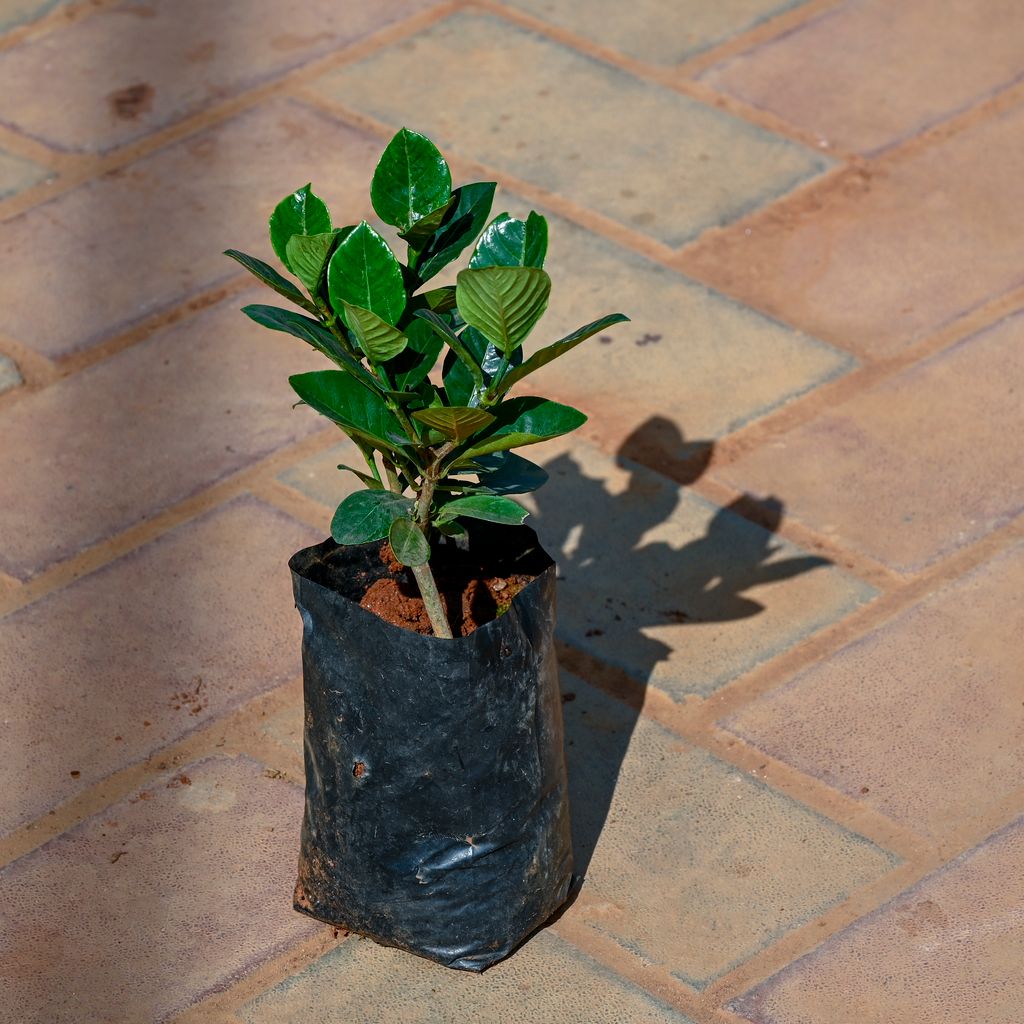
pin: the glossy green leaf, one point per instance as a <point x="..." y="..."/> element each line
<point x="301" y="213"/>
<point x="523" y="421"/>
<point x="367" y="516"/>
<point x="503" y="303"/>
<point x="464" y="220"/>
<point x="307" y="256"/>
<point x="355" y="408"/>
<point x="411" y="367"/>
<point x="378" y="339"/>
<point x="489" y="507"/>
<point x="453" y="340"/>
<point x="269" y="276"/>
<point x="408" y="542"/>
<point x="455" y="422"/>
<point x="411" y="180"/>
<point x="508" y="242"/>
<point x="545" y="355"/>
<point x="508" y="473"/>
<point x="370" y="481"/>
<point x="364" y="272"/>
<point x="420" y="233"/>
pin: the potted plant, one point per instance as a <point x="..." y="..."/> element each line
<point x="436" y="812"/>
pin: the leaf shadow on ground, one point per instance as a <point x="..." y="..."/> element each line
<point x="599" y="538"/>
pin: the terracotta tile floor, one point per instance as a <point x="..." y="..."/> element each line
<point x="789" y="536"/>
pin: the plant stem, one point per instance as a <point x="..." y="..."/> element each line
<point x="432" y="601"/>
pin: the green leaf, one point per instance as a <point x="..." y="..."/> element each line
<point x="412" y="366"/>
<point x="355" y="408"/>
<point x="420" y="233"/>
<point x="367" y="515"/>
<point x="301" y="213"/>
<point x="307" y="256"/>
<point x="268" y="275"/>
<point x="522" y="421"/>
<point x="408" y="543"/>
<point x="462" y="223"/>
<point x="508" y="242"/>
<point x="489" y="507"/>
<point x="364" y="272"/>
<point x="503" y="303"/>
<point x="372" y="482"/>
<point x="379" y="340"/>
<point x="457" y="422"/>
<point x="454" y="342"/>
<point x="544" y="356"/>
<point x="411" y="180"/>
<point x="310" y="331"/>
<point x="508" y="473"/>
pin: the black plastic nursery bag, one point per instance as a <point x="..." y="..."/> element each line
<point x="437" y="815"/>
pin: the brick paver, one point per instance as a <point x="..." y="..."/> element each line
<point x="209" y="192"/>
<point x="877" y="260"/>
<point x="948" y="950"/>
<point x="153" y="902"/>
<point x="842" y="75"/>
<point x="923" y="719"/>
<point x="131" y="68"/>
<point x="143" y="651"/>
<point x="796" y="780"/>
<point x="916" y="467"/>
<point x="573" y="125"/>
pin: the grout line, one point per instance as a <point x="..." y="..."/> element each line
<point x="88" y="560"/>
<point x="60" y="17"/>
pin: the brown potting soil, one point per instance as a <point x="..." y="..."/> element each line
<point x="473" y="593"/>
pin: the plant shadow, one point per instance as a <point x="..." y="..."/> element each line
<point x="601" y="541"/>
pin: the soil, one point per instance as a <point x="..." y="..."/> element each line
<point x="472" y="595"/>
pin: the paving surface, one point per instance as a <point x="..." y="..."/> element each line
<point x="789" y="537"/>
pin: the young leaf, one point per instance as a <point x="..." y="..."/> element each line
<point x="355" y="408"/>
<point x="307" y="256"/>
<point x="408" y="543"/>
<point x="411" y="181"/>
<point x="508" y="473"/>
<point x="372" y="482"/>
<point x="367" y="515"/>
<point x="503" y="303"/>
<point x="418" y="235"/>
<point x="454" y="342"/>
<point x="301" y="213"/>
<point x="462" y="223"/>
<point x="508" y="242"/>
<point x="379" y="340"/>
<point x="489" y="507"/>
<point x="268" y="275"/>
<point x="544" y="356"/>
<point x="522" y="421"/>
<point x="455" y="422"/>
<point x="364" y="272"/>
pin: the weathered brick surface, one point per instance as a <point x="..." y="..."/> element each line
<point x="132" y="68"/>
<point x="948" y="950"/>
<point x="17" y="173"/>
<point x="844" y="74"/>
<point x="916" y="467"/>
<point x="616" y="135"/>
<point x="696" y="865"/>
<point x="655" y="580"/>
<point x="143" y="651"/>
<point x="165" y="418"/>
<point x="653" y="31"/>
<point x="153" y="902"/>
<point x="547" y="982"/>
<point x="924" y="718"/>
<point x="890" y="253"/>
<point x="148" y="236"/>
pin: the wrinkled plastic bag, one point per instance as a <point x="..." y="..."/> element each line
<point x="437" y="815"/>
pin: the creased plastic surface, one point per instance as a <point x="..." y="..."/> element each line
<point x="437" y="815"/>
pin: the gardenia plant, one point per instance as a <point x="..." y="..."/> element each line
<point x="437" y="449"/>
